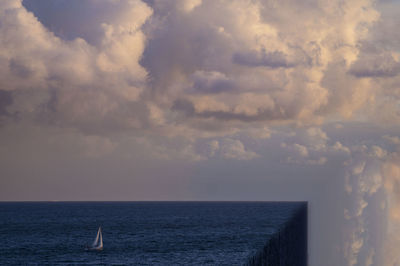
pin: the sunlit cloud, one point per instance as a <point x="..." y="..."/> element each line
<point x="249" y="97"/>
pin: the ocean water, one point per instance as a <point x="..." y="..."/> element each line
<point x="138" y="233"/>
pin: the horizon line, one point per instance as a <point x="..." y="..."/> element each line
<point x="77" y="201"/>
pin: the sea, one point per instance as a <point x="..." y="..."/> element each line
<point x="138" y="233"/>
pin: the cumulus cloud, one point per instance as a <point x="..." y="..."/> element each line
<point x="312" y="146"/>
<point x="376" y="66"/>
<point x="254" y="59"/>
<point x="362" y="181"/>
<point x="212" y="82"/>
<point x="392" y="139"/>
<point x="208" y="60"/>
<point x="234" y="149"/>
<point x="391" y="184"/>
<point x="245" y="51"/>
<point x="5" y="100"/>
<point x="213" y="147"/>
<point x="295" y="85"/>
<point x="80" y="83"/>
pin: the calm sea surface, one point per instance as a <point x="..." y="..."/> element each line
<point x="137" y="233"/>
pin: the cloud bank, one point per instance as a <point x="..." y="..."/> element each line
<point x="212" y="100"/>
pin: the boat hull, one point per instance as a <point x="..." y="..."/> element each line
<point x="93" y="249"/>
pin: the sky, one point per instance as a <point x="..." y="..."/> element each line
<point x="294" y="100"/>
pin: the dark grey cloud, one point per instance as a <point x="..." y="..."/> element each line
<point x="212" y="82"/>
<point x="381" y="65"/>
<point x="20" y="69"/>
<point x="273" y="59"/>
<point x="5" y="100"/>
<point x="275" y="114"/>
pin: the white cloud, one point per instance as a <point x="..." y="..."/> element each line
<point x="269" y="80"/>
<point x="234" y="149"/>
<point x="302" y="150"/>
<point x="392" y="139"/>
<point x="189" y="81"/>
<point x="83" y="84"/>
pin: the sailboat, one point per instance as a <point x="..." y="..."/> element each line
<point x="97" y="243"/>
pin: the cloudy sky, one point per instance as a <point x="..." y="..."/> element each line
<point x="210" y="100"/>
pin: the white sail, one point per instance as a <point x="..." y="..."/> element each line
<point x="96" y="240"/>
<point x="101" y="240"/>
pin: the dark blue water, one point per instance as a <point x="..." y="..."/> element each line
<point x="138" y="233"/>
